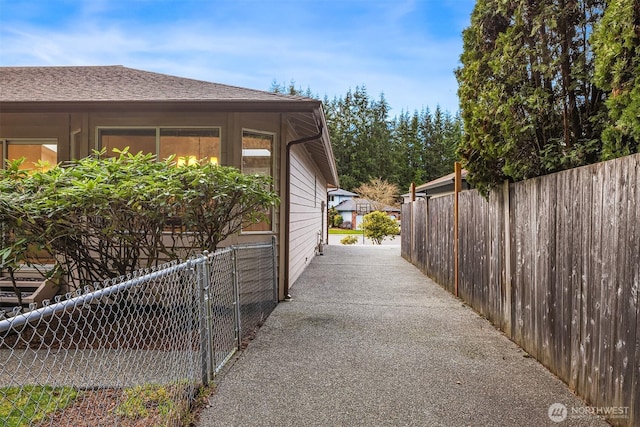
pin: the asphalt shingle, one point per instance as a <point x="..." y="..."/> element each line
<point x="117" y="83"/>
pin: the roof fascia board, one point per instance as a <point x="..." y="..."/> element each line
<point x="294" y="106"/>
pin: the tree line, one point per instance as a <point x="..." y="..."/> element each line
<point x="368" y="143"/>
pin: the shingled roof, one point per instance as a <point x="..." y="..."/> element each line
<point x="118" y="83"/>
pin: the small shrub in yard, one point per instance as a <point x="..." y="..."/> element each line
<point x="349" y="240"/>
<point x="378" y="225"/>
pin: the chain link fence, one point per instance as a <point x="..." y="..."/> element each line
<point x="136" y="348"/>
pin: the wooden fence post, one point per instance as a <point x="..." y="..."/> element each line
<point x="457" y="187"/>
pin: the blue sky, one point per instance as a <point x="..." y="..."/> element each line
<point x="406" y="49"/>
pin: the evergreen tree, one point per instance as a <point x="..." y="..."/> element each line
<point x="409" y="150"/>
<point x="367" y="144"/>
<point x="526" y="92"/>
<point x="616" y="43"/>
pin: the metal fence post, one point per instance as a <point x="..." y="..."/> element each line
<point x="236" y="291"/>
<point x="274" y="255"/>
<point x="205" y="349"/>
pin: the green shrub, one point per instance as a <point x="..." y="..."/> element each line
<point x="103" y="217"/>
<point x="378" y="225"/>
<point x="349" y="240"/>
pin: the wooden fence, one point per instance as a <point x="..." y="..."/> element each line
<point x="555" y="263"/>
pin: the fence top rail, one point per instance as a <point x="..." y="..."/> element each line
<point x="244" y="246"/>
<point x="112" y="286"/>
<point x="71" y="302"/>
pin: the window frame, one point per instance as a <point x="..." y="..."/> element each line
<point x="274" y="137"/>
<point x="157" y="131"/>
<point x="26" y="141"/>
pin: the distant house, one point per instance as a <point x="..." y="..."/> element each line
<point x="438" y="187"/>
<point x="338" y="195"/>
<point x="63" y="113"/>
<point x="353" y="210"/>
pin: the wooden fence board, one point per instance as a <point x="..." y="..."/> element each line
<point x="585" y="279"/>
<point x="530" y="278"/>
<point x="574" y="201"/>
<point x="631" y="387"/>
<point x="518" y="263"/>
<point x="482" y="293"/>
<point x="562" y="312"/>
<point x="406" y="240"/>
<point x="609" y="244"/>
<point x="621" y="378"/>
<point x="551" y="339"/>
<point x="596" y="287"/>
<point x="496" y="257"/>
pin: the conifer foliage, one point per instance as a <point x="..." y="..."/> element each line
<point x="547" y="85"/>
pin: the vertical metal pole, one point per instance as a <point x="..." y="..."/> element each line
<point x="209" y="281"/>
<point x="457" y="187"/>
<point x="236" y="290"/>
<point x="203" y="289"/>
<point x="274" y="255"/>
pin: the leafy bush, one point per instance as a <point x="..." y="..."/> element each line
<point x="378" y="225"/>
<point x="349" y="240"/>
<point x="103" y="217"/>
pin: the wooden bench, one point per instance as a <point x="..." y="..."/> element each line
<point x="32" y="286"/>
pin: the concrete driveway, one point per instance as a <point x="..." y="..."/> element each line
<point x="369" y="341"/>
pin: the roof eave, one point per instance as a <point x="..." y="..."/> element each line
<point x="327" y="146"/>
<point x="237" y="105"/>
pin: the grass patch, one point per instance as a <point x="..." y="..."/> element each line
<point x="22" y="406"/>
<point x="139" y="400"/>
<point x="342" y="231"/>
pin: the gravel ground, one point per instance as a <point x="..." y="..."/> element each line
<point x="369" y="341"/>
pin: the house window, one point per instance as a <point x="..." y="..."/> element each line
<point x="138" y="140"/>
<point x="39" y="154"/>
<point x="189" y="145"/>
<point x="257" y="158"/>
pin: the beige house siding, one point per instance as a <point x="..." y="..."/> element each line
<point x="308" y="202"/>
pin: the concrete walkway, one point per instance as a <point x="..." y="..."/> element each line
<point x="369" y="341"/>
